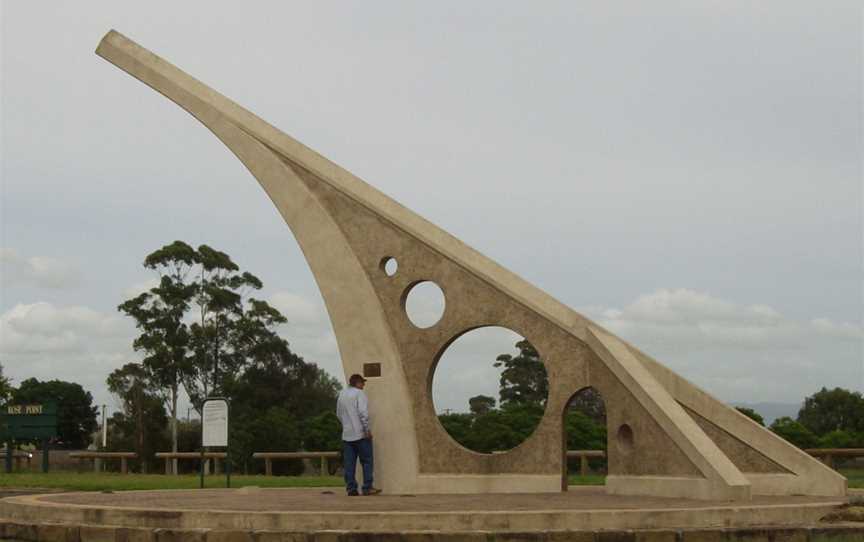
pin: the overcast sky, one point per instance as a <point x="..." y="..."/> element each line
<point x="687" y="174"/>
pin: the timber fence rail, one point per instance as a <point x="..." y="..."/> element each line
<point x="217" y="458"/>
<point x="124" y="458"/>
<point x="18" y="456"/>
<point x="583" y="456"/>
<point x="269" y="457"/>
<point x="828" y="454"/>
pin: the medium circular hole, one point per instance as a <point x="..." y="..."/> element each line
<point x="625" y="438"/>
<point x="490" y="389"/>
<point x="424" y="304"/>
<point x="389" y="265"/>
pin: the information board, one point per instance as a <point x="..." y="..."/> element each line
<point x="28" y="421"/>
<point x="214" y="423"/>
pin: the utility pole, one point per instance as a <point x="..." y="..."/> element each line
<point x="101" y="443"/>
<point x="104" y="429"/>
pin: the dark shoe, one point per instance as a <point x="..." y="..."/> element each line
<point x="371" y="491"/>
<point x="353" y="494"/>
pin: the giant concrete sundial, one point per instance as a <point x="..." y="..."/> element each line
<point x="667" y="438"/>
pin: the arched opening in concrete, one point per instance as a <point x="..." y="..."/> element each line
<point x="585" y="439"/>
<point x="489" y="389"/>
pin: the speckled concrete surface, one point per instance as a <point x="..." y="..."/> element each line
<point x="318" y="500"/>
<point x="312" y="510"/>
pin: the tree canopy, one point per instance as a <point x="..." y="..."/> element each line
<point x="76" y="414"/>
<point x="140" y="425"/>
<point x="202" y="331"/>
<point x="523" y="377"/>
<point x="6" y="387"/>
<point x="794" y="432"/>
<point x="481" y="404"/>
<point x="833" y="410"/>
<point x="198" y="327"/>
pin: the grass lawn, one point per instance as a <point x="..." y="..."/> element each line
<point x="119" y="482"/>
<point x="855" y="477"/>
<point x="589" y="480"/>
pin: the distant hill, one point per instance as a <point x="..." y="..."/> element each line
<point x="772" y="411"/>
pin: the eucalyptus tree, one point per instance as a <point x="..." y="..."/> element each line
<point x="523" y="377"/>
<point x="6" y="388"/>
<point x="200" y="328"/>
<point x="76" y="413"/>
<point x="231" y="328"/>
<point x="160" y="314"/>
<point x="143" y="416"/>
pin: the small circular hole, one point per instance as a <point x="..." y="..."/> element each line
<point x="389" y="265"/>
<point x="625" y="438"/>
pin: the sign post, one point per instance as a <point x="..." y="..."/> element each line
<point x="30" y="422"/>
<point x="214" y="431"/>
<point x="46" y="451"/>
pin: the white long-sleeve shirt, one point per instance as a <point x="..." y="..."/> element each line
<point x="352" y="408"/>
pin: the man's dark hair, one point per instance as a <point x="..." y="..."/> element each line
<point x="355" y="378"/>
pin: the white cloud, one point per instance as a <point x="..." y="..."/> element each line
<point x="73" y="343"/>
<point x="40" y="271"/>
<point x="42" y="327"/>
<point x="740" y="352"/>
<point x="699" y="320"/>
<point x="840" y="330"/>
<point x="139" y="288"/>
<point x="298" y="309"/>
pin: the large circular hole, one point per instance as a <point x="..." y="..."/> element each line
<point x="424" y="304"/>
<point x="490" y="389"/>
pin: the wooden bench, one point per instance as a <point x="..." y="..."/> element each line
<point x="215" y="456"/>
<point x="124" y="457"/>
<point x="268" y="458"/>
<point x="583" y="456"/>
<point x="18" y="455"/>
<point x="828" y="454"/>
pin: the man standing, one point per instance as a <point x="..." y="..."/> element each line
<point x="352" y="408"/>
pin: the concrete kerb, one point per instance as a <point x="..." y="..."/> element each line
<point x="55" y="532"/>
<point x="30" y="508"/>
<point x="29" y="519"/>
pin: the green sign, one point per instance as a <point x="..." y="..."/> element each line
<point x="28" y="421"/>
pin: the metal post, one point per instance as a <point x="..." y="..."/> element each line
<point x="46" y="452"/>
<point x="227" y="467"/>
<point x="104" y="430"/>
<point x="202" y="467"/>
<point x="9" y="456"/>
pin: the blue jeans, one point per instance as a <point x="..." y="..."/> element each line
<point x="351" y="451"/>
